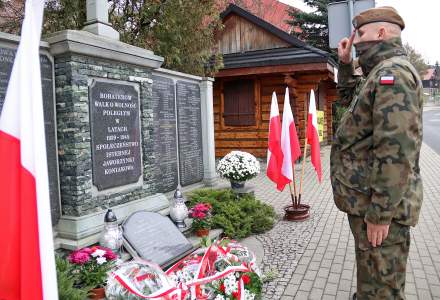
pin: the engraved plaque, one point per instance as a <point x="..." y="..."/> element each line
<point x="47" y="83"/>
<point x="155" y="238"/>
<point x="115" y="133"/>
<point x="190" y="133"/>
<point x="6" y="61"/>
<point x="7" y="56"/>
<point x="164" y="134"/>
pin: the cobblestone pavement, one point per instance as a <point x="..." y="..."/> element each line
<point x="315" y="259"/>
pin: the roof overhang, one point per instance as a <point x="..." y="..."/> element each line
<point x="322" y="67"/>
<point x="279" y="60"/>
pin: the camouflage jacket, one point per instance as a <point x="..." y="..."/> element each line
<point x="375" y="154"/>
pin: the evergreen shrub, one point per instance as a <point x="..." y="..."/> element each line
<point x="238" y="216"/>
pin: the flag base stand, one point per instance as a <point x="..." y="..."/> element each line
<point x="297" y="213"/>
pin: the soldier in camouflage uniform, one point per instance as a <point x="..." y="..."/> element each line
<point x="375" y="155"/>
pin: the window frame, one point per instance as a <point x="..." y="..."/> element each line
<point x="257" y="103"/>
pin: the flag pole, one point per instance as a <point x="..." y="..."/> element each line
<point x="293" y="197"/>
<point x="301" y="179"/>
<point x="302" y="172"/>
<point x="294" y="184"/>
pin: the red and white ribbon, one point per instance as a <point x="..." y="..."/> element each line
<point x="206" y="266"/>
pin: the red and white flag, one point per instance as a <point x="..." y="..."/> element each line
<point x="274" y="153"/>
<point x="289" y="140"/>
<point x="313" y="137"/>
<point x="27" y="264"/>
<point x="387" y="80"/>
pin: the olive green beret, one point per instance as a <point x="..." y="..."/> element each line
<point x="379" y="14"/>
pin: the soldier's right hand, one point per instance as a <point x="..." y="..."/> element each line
<point x="344" y="49"/>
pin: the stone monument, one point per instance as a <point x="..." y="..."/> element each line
<point x="128" y="131"/>
<point x="97" y="19"/>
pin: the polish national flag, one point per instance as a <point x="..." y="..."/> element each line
<point x="27" y="264"/>
<point x="274" y="153"/>
<point x="312" y="136"/>
<point x="289" y="140"/>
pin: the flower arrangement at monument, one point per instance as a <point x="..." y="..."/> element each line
<point x="238" y="166"/>
<point x="135" y="278"/>
<point x="224" y="270"/>
<point x="201" y="214"/>
<point x="247" y="285"/>
<point x="91" y="265"/>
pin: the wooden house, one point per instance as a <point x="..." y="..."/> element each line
<point x="259" y="59"/>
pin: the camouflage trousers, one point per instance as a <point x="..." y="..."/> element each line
<point x="380" y="271"/>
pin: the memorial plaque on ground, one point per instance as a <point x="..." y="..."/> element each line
<point x="155" y="238"/>
<point x="7" y="56"/>
<point x="115" y="132"/>
<point x="189" y="124"/>
<point x="164" y="134"/>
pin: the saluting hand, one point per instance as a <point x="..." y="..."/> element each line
<point x="344" y="48"/>
<point x="376" y="233"/>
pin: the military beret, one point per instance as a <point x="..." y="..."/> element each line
<point x="379" y="14"/>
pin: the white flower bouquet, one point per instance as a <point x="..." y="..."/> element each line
<point x="238" y="166"/>
<point x="224" y="270"/>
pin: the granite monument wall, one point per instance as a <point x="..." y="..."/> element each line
<point x="74" y="75"/>
<point x="128" y="132"/>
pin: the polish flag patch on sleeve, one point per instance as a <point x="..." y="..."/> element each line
<point x="387" y="80"/>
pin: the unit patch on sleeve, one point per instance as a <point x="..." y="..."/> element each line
<point x="387" y="80"/>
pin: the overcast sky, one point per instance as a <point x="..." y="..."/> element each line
<point x="422" y="18"/>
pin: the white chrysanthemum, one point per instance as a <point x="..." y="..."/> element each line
<point x="248" y="295"/>
<point x="219" y="297"/>
<point x="99" y="253"/>
<point x="239" y="166"/>
<point x="187" y="276"/>
<point x="100" y="260"/>
<point x="231" y="284"/>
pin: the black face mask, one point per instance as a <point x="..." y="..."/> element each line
<point x="363" y="47"/>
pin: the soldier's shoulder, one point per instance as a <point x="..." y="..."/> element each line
<point x="399" y="66"/>
<point x="398" y="69"/>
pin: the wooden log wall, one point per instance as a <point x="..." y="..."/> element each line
<point x="240" y="35"/>
<point x="253" y="139"/>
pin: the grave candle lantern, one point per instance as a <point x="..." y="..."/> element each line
<point x="178" y="209"/>
<point x="111" y="236"/>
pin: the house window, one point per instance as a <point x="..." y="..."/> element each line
<point x="239" y="103"/>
